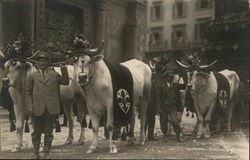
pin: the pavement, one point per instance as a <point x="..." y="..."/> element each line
<point x="223" y="146"/>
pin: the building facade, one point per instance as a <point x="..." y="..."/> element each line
<point x="176" y="24"/>
<point x="120" y="23"/>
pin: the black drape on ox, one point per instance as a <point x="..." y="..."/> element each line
<point x="122" y="82"/>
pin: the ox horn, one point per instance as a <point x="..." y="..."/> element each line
<point x="33" y="55"/>
<point x="152" y="65"/>
<point x="209" y="65"/>
<point x="182" y="65"/>
<point x="1" y="54"/>
<point x="96" y="51"/>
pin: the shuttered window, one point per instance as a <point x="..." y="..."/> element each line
<point x="180" y="9"/>
<point x="157" y="11"/>
<point x="204" y="4"/>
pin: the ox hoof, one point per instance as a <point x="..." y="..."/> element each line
<point x="207" y="135"/>
<point x="92" y="150"/>
<point x="80" y="142"/>
<point x="16" y="149"/>
<point x="141" y="142"/>
<point x="68" y="141"/>
<point x="113" y="150"/>
<point x="198" y="136"/>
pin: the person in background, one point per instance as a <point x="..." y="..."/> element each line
<point x="169" y="104"/>
<point x="42" y="101"/>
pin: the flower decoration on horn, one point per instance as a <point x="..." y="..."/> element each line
<point x="21" y="47"/>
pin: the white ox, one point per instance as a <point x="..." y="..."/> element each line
<point x="16" y="73"/>
<point x="95" y="79"/>
<point x="203" y="85"/>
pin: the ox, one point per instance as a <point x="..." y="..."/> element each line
<point x="95" y="79"/>
<point x="203" y="87"/>
<point x="16" y="73"/>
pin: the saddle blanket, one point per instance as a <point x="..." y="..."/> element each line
<point x="122" y="82"/>
<point x="223" y="91"/>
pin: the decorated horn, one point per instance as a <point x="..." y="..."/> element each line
<point x="34" y="55"/>
<point x="1" y="54"/>
<point x="209" y="65"/>
<point x="152" y="65"/>
<point x="96" y="51"/>
<point x="182" y="65"/>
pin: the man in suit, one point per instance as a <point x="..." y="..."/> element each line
<point x="169" y="103"/>
<point x="42" y="101"/>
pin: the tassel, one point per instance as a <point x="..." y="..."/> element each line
<point x="84" y="123"/>
<point x="27" y="128"/>
<point x="12" y="126"/>
<point x="57" y="126"/>
<point x="123" y="136"/>
<point x="192" y="115"/>
<point x="90" y="124"/>
<point x="187" y="115"/>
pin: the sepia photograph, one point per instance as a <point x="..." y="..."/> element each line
<point x="124" y="79"/>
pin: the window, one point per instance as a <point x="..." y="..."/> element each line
<point x="198" y="28"/>
<point x="156" y="38"/>
<point x="204" y="4"/>
<point x="157" y="11"/>
<point x="180" y="9"/>
<point x="179" y="36"/>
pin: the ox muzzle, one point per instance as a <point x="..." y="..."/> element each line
<point x="83" y="78"/>
<point x="5" y="82"/>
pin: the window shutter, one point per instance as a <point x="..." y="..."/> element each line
<point x="185" y="8"/>
<point x="197" y="4"/>
<point x="210" y="4"/>
<point x="196" y="32"/>
<point x="162" y="12"/>
<point x="174" y="10"/>
<point x="173" y="38"/>
<point x="152" y="13"/>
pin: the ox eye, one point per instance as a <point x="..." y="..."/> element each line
<point x="13" y="63"/>
<point x="75" y="59"/>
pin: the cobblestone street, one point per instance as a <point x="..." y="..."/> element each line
<point x="224" y="146"/>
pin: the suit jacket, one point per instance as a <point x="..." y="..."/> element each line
<point x="44" y="92"/>
<point x="169" y="97"/>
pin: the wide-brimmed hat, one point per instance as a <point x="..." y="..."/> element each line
<point x="43" y="54"/>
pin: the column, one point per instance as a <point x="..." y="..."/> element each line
<point x="100" y="24"/>
<point x="130" y="32"/>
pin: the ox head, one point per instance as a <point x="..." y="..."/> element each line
<point x="13" y="71"/>
<point x="84" y="64"/>
<point x="197" y="75"/>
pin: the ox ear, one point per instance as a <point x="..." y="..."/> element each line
<point x="97" y="58"/>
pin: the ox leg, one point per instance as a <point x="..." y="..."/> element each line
<point x="82" y="121"/>
<point x="95" y="119"/>
<point x="19" y="128"/>
<point x="69" y="114"/>
<point x="110" y="128"/>
<point x="229" y="117"/>
<point x="143" y="114"/>
<point x="208" y="120"/>
<point x="131" y="129"/>
<point x="200" y="122"/>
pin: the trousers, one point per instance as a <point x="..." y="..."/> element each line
<point x="172" y="117"/>
<point x="42" y="124"/>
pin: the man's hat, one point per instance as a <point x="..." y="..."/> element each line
<point x="43" y="54"/>
<point x="169" y="73"/>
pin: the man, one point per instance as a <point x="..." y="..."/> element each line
<point x="42" y="98"/>
<point x="150" y="121"/>
<point x="169" y="104"/>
